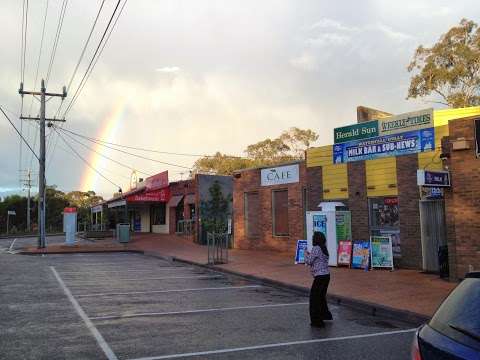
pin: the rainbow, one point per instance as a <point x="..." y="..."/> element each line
<point x="107" y="132"/>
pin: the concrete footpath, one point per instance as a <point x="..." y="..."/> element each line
<point x="408" y="293"/>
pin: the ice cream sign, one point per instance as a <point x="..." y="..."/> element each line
<point x="280" y="175"/>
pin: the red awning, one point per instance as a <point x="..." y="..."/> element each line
<point x="161" y="195"/>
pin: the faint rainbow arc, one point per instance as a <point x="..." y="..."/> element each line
<point x="107" y="132"/>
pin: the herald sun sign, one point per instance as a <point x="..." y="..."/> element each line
<point x="280" y="175"/>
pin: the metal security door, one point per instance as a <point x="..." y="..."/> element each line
<point x="433" y="235"/>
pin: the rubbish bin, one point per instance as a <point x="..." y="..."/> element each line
<point x="443" y="261"/>
<point x="123" y="232"/>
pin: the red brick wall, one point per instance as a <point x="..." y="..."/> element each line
<point x="314" y="187"/>
<point x="249" y="180"/>
<point x="408" y="204"/>
<point x="463" y="201"/>
<point x="357" y="200"/>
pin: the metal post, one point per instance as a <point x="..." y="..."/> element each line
<point x="29" y="184"/>
<point x="41" y="175"/>
<point x="8" y="221"/>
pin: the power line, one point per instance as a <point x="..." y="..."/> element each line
<point x="143" y="149"/>
<point x="56" y="40"/>
<point x="18" y="132"/>
<point x="99" y="153"/>
<point x="139" y="156"/>
<point x="85" y="161"/>
<point x="39" y="54"/>
<point x="90" y="68"/>
<point x="82" y="54"/>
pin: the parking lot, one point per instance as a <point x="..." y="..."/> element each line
<point x="131" y="306"/>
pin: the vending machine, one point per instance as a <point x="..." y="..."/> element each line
<point x="334" y="220"/>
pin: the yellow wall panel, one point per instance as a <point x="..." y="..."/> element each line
<point x="320" y="156"/>
<point x="441" y="117"/>
<point x="430" y="160"/>
<point x="335" y="181"/>
<point x="381" y="176"/>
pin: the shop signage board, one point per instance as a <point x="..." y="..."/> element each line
<point x="300" y="252"/>
<point x="162" y="195"/>
<point x="410" y="142"/>
<point x="97" y="208"/>
<point x="344" y="253"/>
<point x="280" y="175"/>
<point x="396" y="244"/>
<point x="433" y="178"/>
<point x="381" y="254"/>
<point x="356" y="131"/>
<point x="11" y="212"/>
<point x="324" y="222"/>
<point x="360" y="254"/>
<point x="157" y="181"/>
<point x="320" y="223"/>
<point x="397" y="124"/>
<point x="477" y="137"/>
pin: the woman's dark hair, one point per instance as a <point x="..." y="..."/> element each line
<point x="319" y="239"/>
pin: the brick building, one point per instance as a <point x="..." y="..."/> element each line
<point x="384" y="198"/>
<point x="463" y="200"/>
<point x="269" y="206"/>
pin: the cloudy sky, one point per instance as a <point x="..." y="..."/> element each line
<point x="202" y="76"/>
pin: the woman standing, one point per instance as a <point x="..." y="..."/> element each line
<point x="318" y="262"/>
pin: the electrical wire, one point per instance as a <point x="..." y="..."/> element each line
<point x="90" y="67"/>
<point x="18" y="132"/>
<point x="99" y="153"/>
<point x="139" y="156"/>
<point x="56" y="40"/>
<point x="39" y="55"/>
<point x="143" y="149"/>
<point x="85" y="161"/>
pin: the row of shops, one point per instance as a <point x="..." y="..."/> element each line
<point x="414" y="178"/>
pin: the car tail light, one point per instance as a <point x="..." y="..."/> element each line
<point x="415" y="349"/>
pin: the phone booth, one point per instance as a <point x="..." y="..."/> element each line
<point x="70" y="224"/>
<point x="334" y="220"/>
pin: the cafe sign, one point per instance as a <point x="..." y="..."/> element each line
<point x="280" y="175"/>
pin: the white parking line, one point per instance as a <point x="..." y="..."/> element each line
<point x="95" y="272"/>
<point x="96" y="334"/>
<point x="169" y="291"/>
<point x="155" y="278"/>
<point x="110" y="317"/>
<point x="119" y="263"/>
<point x="267" y="346"/>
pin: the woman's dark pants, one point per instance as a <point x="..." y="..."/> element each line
<point x="318" y="300"/>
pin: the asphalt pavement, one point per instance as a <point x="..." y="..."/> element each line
<point x="131" y="306"/>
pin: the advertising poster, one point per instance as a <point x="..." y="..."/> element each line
<point x="381" y="252"/>
<point x="344" y="253"/>
<point x="395" y="236"/>
<point x="300" y="252"/>
<point x="343" y="226"/>
<point x="320" y="223"/>
<point x="410" y="142"/>
<point x="360" y="254"/>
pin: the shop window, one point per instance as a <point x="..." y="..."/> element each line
<point x="159" y="214"/>
<point x="251" y="214"/>
<point x="280" y="212"/>
<point x="384" y="213"/>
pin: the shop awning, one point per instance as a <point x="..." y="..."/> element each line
<point x="117" y="204"/>
<point x="190" y="199"/>
<point x="175" y="200"/>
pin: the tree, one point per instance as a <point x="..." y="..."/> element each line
<point x="216" y="210"/>
<point x="450" y="69"/>
<point x="289" y="146"/>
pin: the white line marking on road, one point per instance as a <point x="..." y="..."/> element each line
<point x="169" y="291"/>
<point x="157" y="278"/>
<point x="267" y="346"/>
<point x="96" y="334"/>
<point x="11" y="245"/>
<point x="152" y="270"/>
<point x="110" y="317"/>
<point x="119" y="263"/>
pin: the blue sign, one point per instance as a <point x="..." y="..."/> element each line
<point x="320" y="223"/>
<point x="360" y="254"/>
<point x="436" y="178"/>
<point x="300" y="252"/>
<point x="410" y="142"/>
